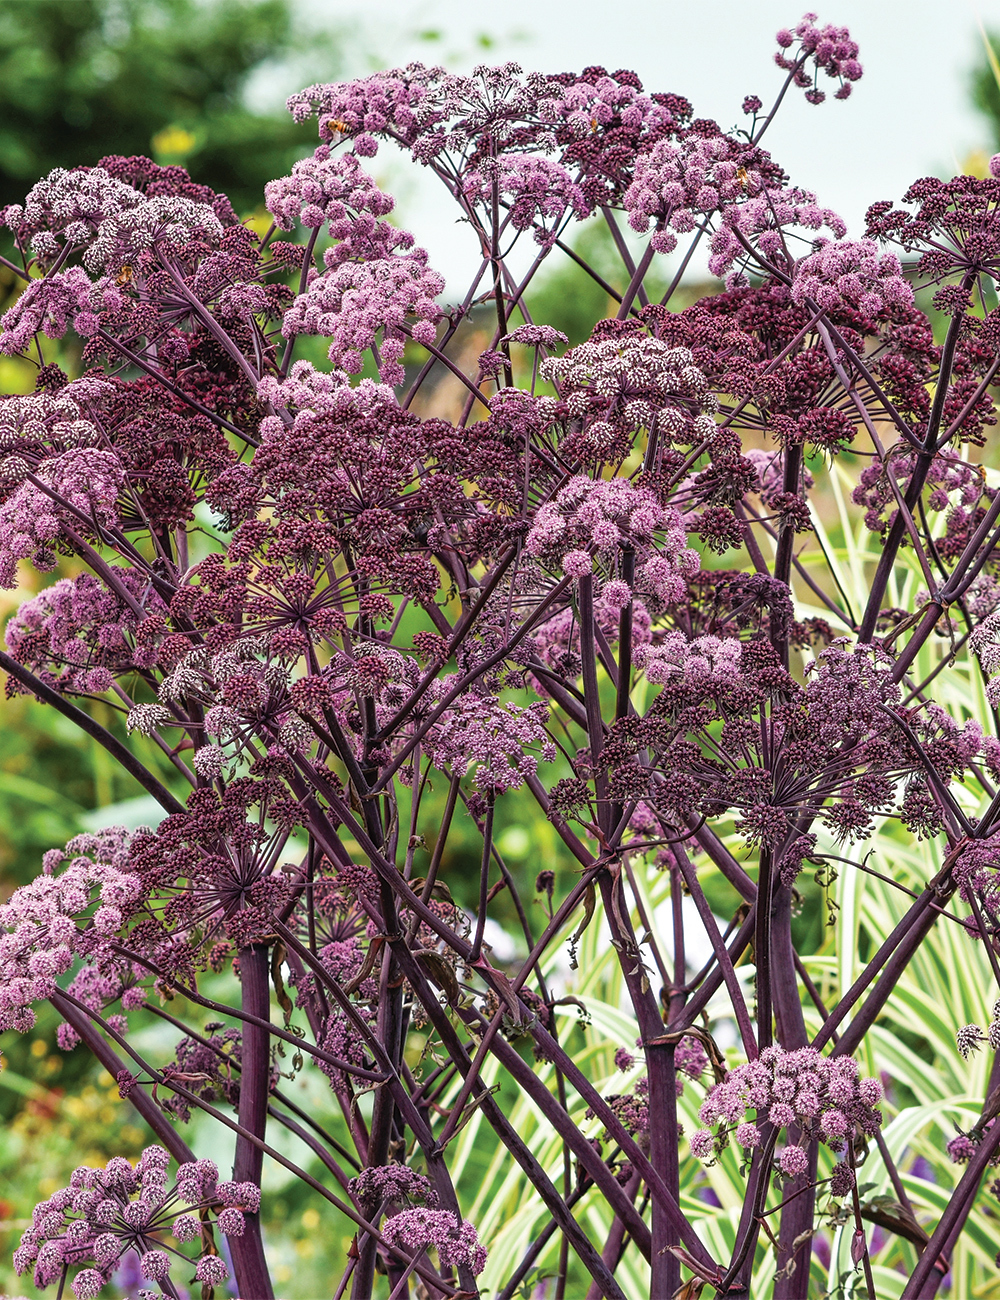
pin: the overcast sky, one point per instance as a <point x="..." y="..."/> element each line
<point x="909" y="116"/>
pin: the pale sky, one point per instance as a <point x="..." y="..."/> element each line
<point x="909" y="116"/>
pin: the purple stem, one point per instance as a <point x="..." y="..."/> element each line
<point x="925" y="457"/>
<point x="921" y="1285"/>
<point x="249" y="1263"/>
<point x="615" y="1242"/>
<point x="112" y="1062"/>
<point x="795" y="1234"/>
<point x="303" y="1175"/>
<point x="662" y="1078"/>
<point x="762" y="949"/>
<point x="740" y="1010"/>
<point x="537" y="1176"/>
<point x="625" y="255"/>
<point x="389" y="1033"/>
<point x="527" y="1260"/>
<point x="895" y="954"/>
<point x="592" y="697"/>
<point x="737" y="1279"/>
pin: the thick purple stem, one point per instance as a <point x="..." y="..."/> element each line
<point x="255" y="1077"/>
<point x="663" y="1135"/>
<point x="795" y="1234"/>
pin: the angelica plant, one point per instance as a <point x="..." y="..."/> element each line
<point x="353" y="625"/>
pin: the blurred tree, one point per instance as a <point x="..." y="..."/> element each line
<point x="986" y="92"/>
<point x="83" y="78"/>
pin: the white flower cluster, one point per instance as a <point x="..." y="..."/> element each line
<point x="637" y="378"/>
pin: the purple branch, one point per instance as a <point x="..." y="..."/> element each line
<point x="918" y="477"/>
<point x="144" y="1104"/>
<point x="93" y="729"/>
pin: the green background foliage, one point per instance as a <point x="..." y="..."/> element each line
<point x="83" y="78"/>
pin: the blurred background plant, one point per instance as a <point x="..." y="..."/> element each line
<point x="83" y="78"/>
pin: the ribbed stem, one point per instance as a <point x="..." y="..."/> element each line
<point x="795" y="1233"/>
<point x="665" y="1275"/>
<point x="252" y="1275"/>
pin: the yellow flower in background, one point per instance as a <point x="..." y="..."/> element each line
<point x="259" y="221"/>
<point x="977" y="163"/>
<point x="173" y="144"/>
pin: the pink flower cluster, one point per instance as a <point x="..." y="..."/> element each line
<point x="351" y="302"/>
<point x="167" y="220"/>
<point x="829" y="49"/>
<point x="392" y="1185"/>
<point x="768" y="222"/>
<point x="313" y="393"/>
<point x="586" y="102"/>
<point x="113" y="221"/>
<point x="677" y="184"/>
<point x="622" y="383"/>
<point x="455" y="1240"/>
<point x="39" y="922"/>
<point x="78" y="635"/>
<point x="341" y="1038"/>
<point x="533" y="336"/>
<point x="984" y="642"/>
<point x="535" y="190"/>
<point x="700" y="663"/>
<point x="105" y="1213"/>
<point x="86" y="480"/>
<point x="334" y="190"/>
<point x="851" y="273"/>
<point x="430" y="107"/>
<point x="480" y="734"/>
<point x="73" y="204"/>
<point x="588" y="518"/>
<point x="427" y="109"/>
<point x="49" y="306"/>
<point x="35" y="425"/>
<point x="405" y="101"/>
<point x="822" y="1095"/>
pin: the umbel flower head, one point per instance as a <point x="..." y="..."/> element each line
<point x="455" y="1240"/>
<point x="105" y="1213"/>
<point x="823" y="1096"/>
